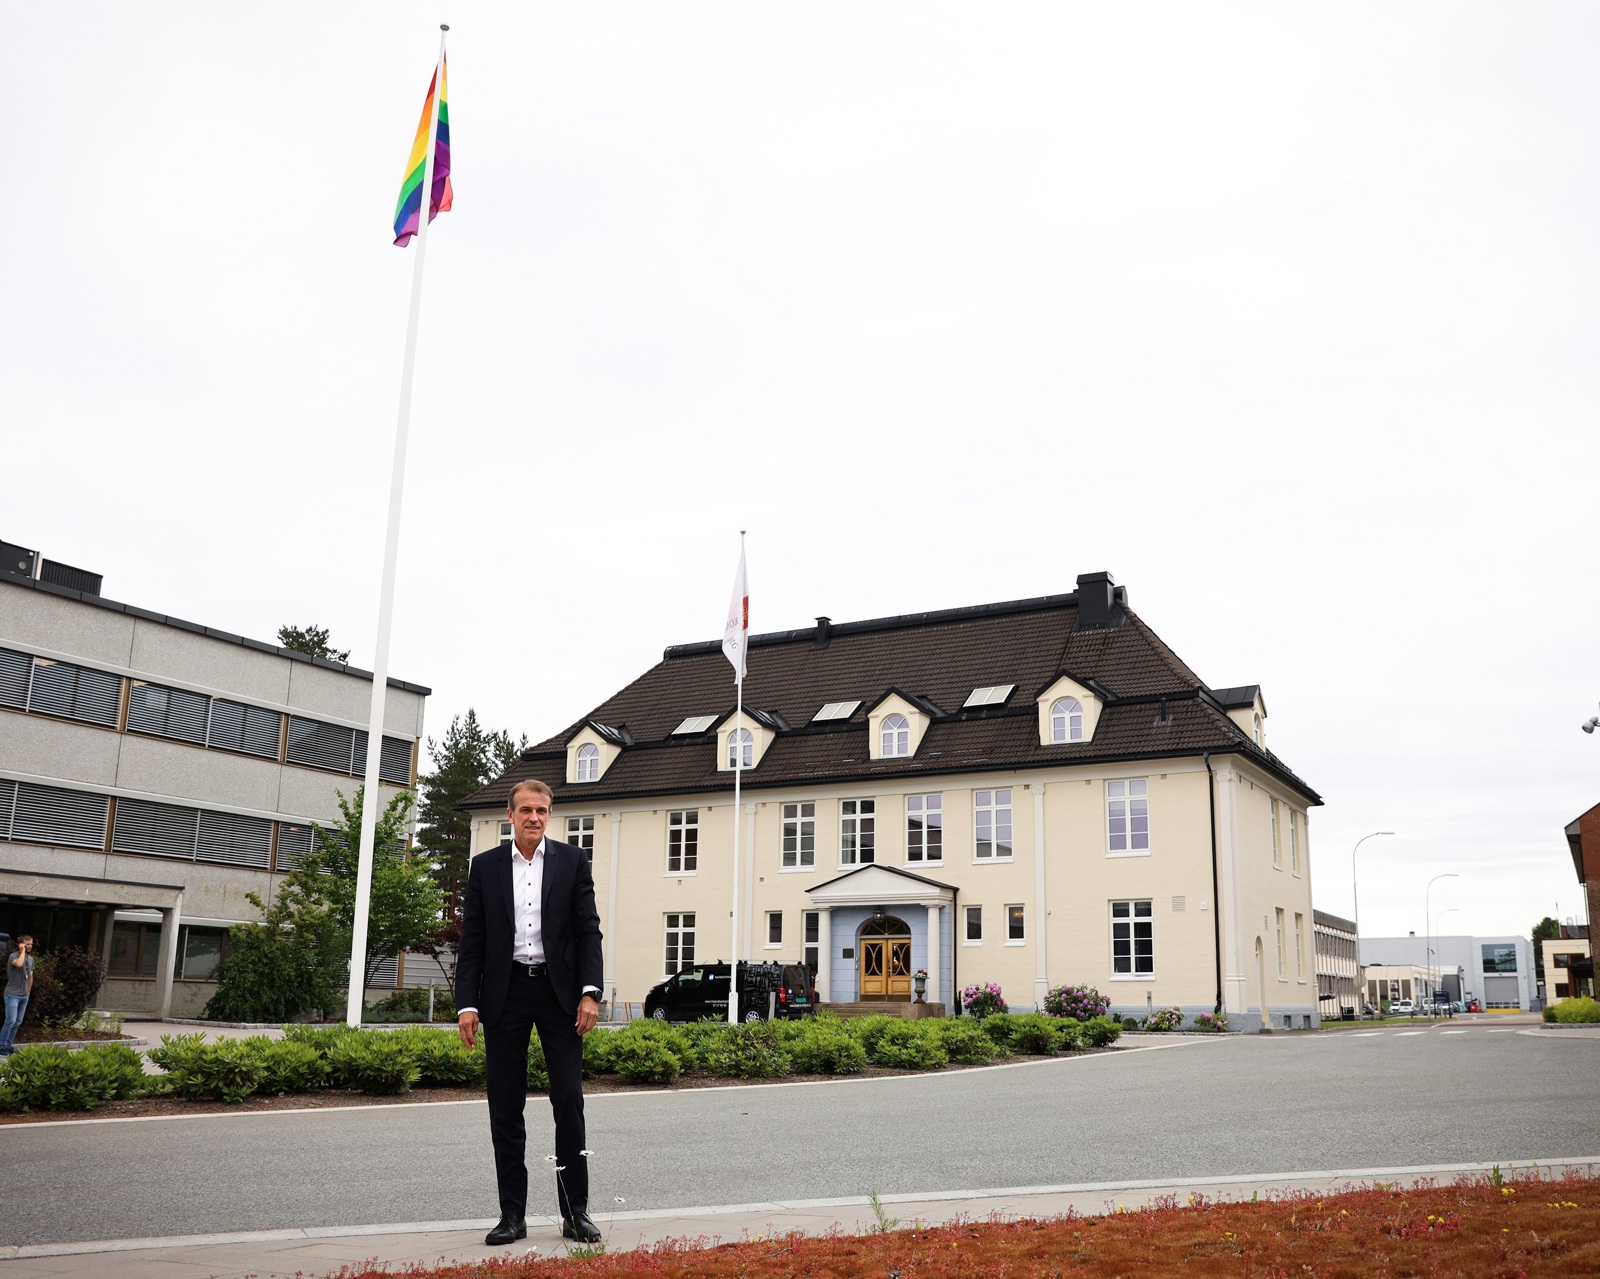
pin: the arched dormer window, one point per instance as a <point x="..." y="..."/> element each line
<point x="588" y="763"/>
<point x="745" y="758"/>
<point x="896" y="736"/>
<point x="1066" y="720"/>
<point x="1258" y="730"/>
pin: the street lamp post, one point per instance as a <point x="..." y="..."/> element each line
<point x="1427" y="923"/>
<point x="1356" y="903"/>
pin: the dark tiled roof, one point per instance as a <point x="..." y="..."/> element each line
<point x="1157" y="706"/>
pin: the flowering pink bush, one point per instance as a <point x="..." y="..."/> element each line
<point x="1082" y="1002"/>
<point x="981" y="1001"/>
<point x="1217" y="1022"/>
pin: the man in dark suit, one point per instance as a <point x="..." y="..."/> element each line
<point x="530" y="959"/>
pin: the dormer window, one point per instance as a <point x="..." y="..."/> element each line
<point x="694" y="724"/>
<point x="1066" y="720"/>
<point x="1257" y="733"/>
<point x="993" y="695"/>
<point x="741" y="749"/>
<point x="896" y="736"/>
<point x="588" y="763"/>
<point x="836" y="710"/>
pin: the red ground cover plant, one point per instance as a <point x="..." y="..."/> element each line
<point x="1487" y="1229"/>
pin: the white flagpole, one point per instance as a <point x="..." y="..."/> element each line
<point x="391" y="549"/>
<point x="738" y="811"/>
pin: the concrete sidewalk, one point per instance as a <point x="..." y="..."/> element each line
<point x="319" y="1251"/>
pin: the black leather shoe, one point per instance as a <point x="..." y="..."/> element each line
<point x="579" y="1227"/>
<point x="509" y="1230"/>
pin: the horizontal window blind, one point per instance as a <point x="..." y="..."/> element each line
<point x="8" y="801"/>
<point x="76" y="692"/>
<point x="294" y="842"/>
<point x="237" y="727"/>
<point x="388" y="973"/>
<point x="320" y="745"/>
<point x="159" y="830"/>
<point x="170" y="712"/>
<point x="14" y="671"/>
<point x="51" y="815"/>
<point x="395" y="764"/>
<point x="234" y="840"/>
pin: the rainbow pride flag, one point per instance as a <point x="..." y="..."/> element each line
<point x="406" y="212"/>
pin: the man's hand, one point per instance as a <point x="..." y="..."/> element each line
<point x="588" y="1014"/>
<point x="467" y="1024"/>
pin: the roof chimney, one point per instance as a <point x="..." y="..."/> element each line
<point x="824" y="629"/>
<point x="1096" y="597"/>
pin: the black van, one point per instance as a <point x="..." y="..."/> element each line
<point x="701" y="990"/>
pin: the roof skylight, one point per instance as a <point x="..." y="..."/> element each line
<point x="991" y="696"/>
<point x="695" y="724"/>
<point x="836" y="710"/>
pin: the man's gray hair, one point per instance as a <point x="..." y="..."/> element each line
<point x="529" y="783"/>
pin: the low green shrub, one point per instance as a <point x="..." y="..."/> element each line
<point x="597" y="1048"/>
<point x="228" y="1070"/>
<point x="644" y="1059"/>
<point x="750" y="1051"/>
<point x="908" y="1045"/>
<point x="818" y="1046"/>
<point x="1034" y="1033"/>
<point x="1574" y="1011"/>
<point x="1069" y="1034"/>
<point x="868" y="1030"/>
<point x="287" y="1067"/>
<point x="1080" y="1002"/>
<point x="1100" y="1032"/>
<point x="1549" y="1012"/>
<point x="50" y="1077"/>
<point x="1127" y="1023"/>
<point x="964" y="1040"/>
<point x="538" y="1075"/>
<point x="443" y="1061"/>
<point x="375" y="1063"/>
<point x="1002" y="1028"/>
<point x="412" y="1005"/>
<point x="1211" y="1023"/>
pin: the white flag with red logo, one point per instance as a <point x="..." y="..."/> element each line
<point x="737" y="631"/>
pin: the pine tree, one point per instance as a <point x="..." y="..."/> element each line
<point x="466" y="761"/>
<point x="313" y="641"/>
<point x="1546" y="929"/>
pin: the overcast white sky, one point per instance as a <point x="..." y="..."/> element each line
<point x="1285" y="315"/>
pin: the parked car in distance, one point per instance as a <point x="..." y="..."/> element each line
<point x="701" y="990"/>
<point x="1402" y="1008"/>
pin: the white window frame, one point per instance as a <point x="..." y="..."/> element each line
<point x="741" y="737"/>
<point x="835" y="710"/>
<point x="774" y="925"/>
<point x="1122" y="803"/>
<point x="858" y="832"/>
<point x="1299" y="948"/>
<point x="895" y="737"/>
<point x="507" y="833"/>
<point x="588" y="761"/>
<point x="693" y="724"/>
<point x="989" y="695"/>
<point x="930" y="809"/>
<point x="802" y="814"/>
<point x="679" y="926"/>
<point x="1130" y="921"/>
<point x="1016" y="924"/>
<point x="688" y="821"/>
<point x="1283" y="959"/>
<point x="986" y="817"/>
<point x="1277" y="846"/>
<point x="1066" y="720"/>
<point x="1294" y="842"/>
<point x="971" y="915"/>
<point x="580" y="832"/>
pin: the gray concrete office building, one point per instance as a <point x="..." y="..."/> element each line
<point x="1496" y="971"/>
<point x="154" y="771"/>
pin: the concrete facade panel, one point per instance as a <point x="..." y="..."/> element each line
<point x="56" y="748"/>
<point x="206" y="777"/>
<point x="36" y="621"/>
<point x="238" y="672"/>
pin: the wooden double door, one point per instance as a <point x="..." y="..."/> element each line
<point x="885" y="960"/>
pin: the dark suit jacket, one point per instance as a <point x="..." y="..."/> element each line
<point x="568" y="921"/>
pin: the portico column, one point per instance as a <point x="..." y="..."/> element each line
<point x="934" y="939"/>
<point x="167" y="965"/>
<point x="825" y="955"/>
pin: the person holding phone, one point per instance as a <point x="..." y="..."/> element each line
<point x="19" y="985"/>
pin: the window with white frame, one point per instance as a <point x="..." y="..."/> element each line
<point x="1258" y="730"/>
<point x="813" y="938"/>
<point x="992" y="695"/>
<point x="680" y="942"/>
<point x="974" y="930"/>
<point x="580" y="831"/>
<point x="799" y="835"/>
<point x="741" y="748"/>
<point x="774" y="929"/>
<point x="1299" y="946"/>
<point x="683" y="841"/>
<point x="924" y="828"/>
<point x="1066" y="720"/>
<point x="1133" y="951"/>
<point x="896" y="736"/>
<point x="1282" y="946"/>
<point x="694" y="724"/>
<point x="1016" y="927"/>
<point x="505" y="832"/>
<point x="1277" y="850"/>
<point x="1128" y="815"/>
<point x="588" y="762"/>
<point x="1294" y="841"/>
<point x="858" y="831"/>
<point x="992" y="825"/>
<point x="836" y="710"/>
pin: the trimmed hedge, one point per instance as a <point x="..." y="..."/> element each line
<point x="1576" y="1011"/>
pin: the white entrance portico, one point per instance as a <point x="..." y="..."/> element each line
<point x="861" y="952"/>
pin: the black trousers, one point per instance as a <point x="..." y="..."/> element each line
<point x="531" y="1004"/>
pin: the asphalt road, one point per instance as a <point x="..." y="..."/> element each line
<point x="1199" y="1107"/>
